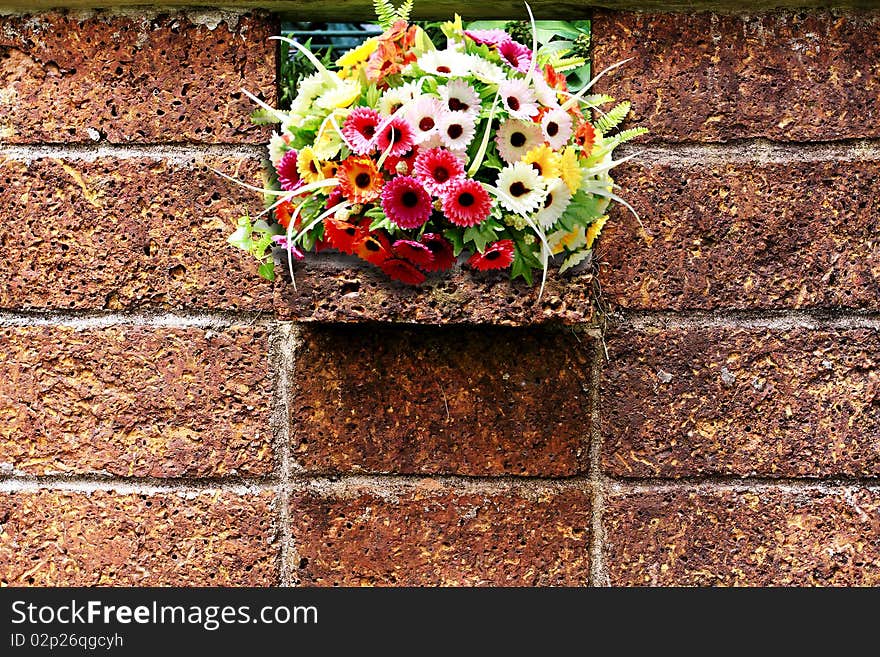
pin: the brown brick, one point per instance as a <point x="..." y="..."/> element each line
<point x="426" y="534"/>
<point x="135" y="401"/>
<point x="334" y="289"/>
<point x="55" y="538"/>
<point x="812" y="76"/>
<point x="142" y="78"/>
<point x="745" y="235"/>
<point x="126" y="233"/>
<point x="790" y="403"/>
<point x="768" y="537"/>
<point x="482" y="401"/>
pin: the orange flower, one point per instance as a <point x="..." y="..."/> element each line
<point x="375" y="248"/>
<point x="395" y="50"/>
<point x="283" y="212"/>
<point x="585" y="135"/>
<point x="359" y="179"/>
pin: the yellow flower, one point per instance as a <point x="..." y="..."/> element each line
<point x="544" y="160"/>
<point x="342" y="95"/>
<point x="570" y="170"/>
<point x="356" y="57"/>
<point x="329" y="169"/>
<point x="594" y="230"/>
<point x="309" y="166"/>
<point x="328" y="141"/>
<point x="564" y="239"/>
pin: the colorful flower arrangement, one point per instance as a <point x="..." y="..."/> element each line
<point x="415" y="156"/>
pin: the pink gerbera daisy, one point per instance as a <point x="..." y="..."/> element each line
<point x="496" y="256"/>
<point x="288" y="176"/>
<point x="441" y="248"/>
<point x="406" y="202"/>
<point x="359" y="129"/>
<point x="489" y="37"/>
<point x="518" y="98"/>
<point x="556" y="126"/>
<point x="437" y="169"/>
<point x="515" y="55"/>
<point x="416" y="252"/>
<point x="466" y="202"/>
<point x="423" y="115"/>
<point x="395" y="136"/>
<point x="401" y="164"/>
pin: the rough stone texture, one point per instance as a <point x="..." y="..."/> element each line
<point x="429" y="535"/>
<point x="135" y="401"/>
<point x="141" y="78"/>
<point x="780" y="403"/>
<point x="54" y="538"/>
<point x="483" y="401"/>
<point x="766" y="537"/>
<point x="123" y="234"/>
<point x="745" y="236"/>
<point x="812" y="76"/>
<point x="330" y="288"/>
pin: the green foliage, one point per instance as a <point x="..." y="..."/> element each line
<point x="575" y="259"/>
<point x="613" y="118"/>
<point x="294" y="67"/>
<point x="387" y="14"/>
<point x="256" y="239"/>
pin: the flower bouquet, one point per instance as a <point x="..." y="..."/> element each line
<point x="415" y="156"/>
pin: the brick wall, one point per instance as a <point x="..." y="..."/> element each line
<point x="166" y="417"/>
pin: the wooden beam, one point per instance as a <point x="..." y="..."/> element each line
<point x="362" y="10"/>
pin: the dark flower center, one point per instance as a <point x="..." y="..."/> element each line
<point x="456" y="105"/>
<point x="368" y="131"/>
<point x="513" y="103"/>
<point x="427" y="123"/>
<point x="454" y="131"/>
<point x="517" y="189"/>
<point x="395" y="107"/>
<point x="552" y="128"/>
<point x="492" y="255"/>
<point x="362" y="180"/>
<point x="441" y="175"/>
<point x="444" y="69"/>
<point x="537" y="167"/>
<point x="372" y="245"/>
<point x="548" y="201"/>
<point x="410" y="199"/>
<point x="313" y="167"/>
<point x="517" y="139"/>
<point x="466" y="200"/>
<point x="350" y="231"/>
<point x="394" y="135"/>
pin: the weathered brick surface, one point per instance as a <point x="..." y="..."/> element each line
<point x="135" y="401"/>
<point x="812" y="76"/>
<point x="481" y="401"/>
<point x="429" y="535"/>
<point x="777" y="403"/>
<point x="749" y="538"/>
<point x="126" y="233"/>
<point x="744" y="235"/>
<point x="334" y="289"/>
<point x="143" y="78"/>
<point x="53" y="538"/>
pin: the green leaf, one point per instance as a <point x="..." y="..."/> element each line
<point x="454" y="235"/>
<point x="575" y="259"/>
<point x="583" y="210"/>
<point x="523" y="264"/>
<point x="492" y="161"/>
<point x="242" y="235"/>
<point x="267" y="270"/>
<point x="613" y="118"/>
<point x="483" y="233"/>
<point x="262" y="116"/>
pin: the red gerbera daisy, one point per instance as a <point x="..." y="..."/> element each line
<point x="342" y="235"/>
<point x="416" y="253"/>
<point x="466" y="202"/>
<point x="406" y="202"/>
<point x="375" y="248"/>
<point x="283" y="213"/>
<point x="441" y="249"/>
<point x="391" y="163"/>
<point x="498" y="255"/>
<point x="397" y="134"/>
<point x="403" y="271"/>
<point x="359" y="179"/>
<point x="515" y="55"/>
<point x="437" y="169"/>
<point x="288" y="176"/>
<point x="360" y="128"/>
<point x="334" y="198"/>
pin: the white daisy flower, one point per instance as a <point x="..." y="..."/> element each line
<point x="393" y="99"/>
<point x="423" y="114"/>
<point x="556" y="126"/>
<point x="445" y="63"/>
<point x="555" y="203"/>
<point x="459" y="96"/>
<point x="456" y="130"/>
<point x="524" y="190"/>
<point x="545" y="94"/>
<point x="277" y="147"/>
<point x="516" y="138"/>
<point x="486" y="71"/>
<point x="518" y="98"/>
